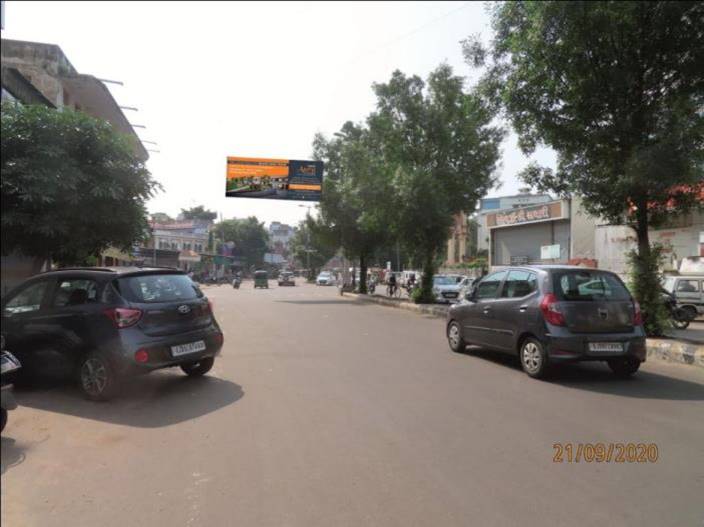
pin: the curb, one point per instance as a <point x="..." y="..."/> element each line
<point x="668" y="350"/>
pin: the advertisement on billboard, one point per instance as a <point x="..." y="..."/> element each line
<point x="252" y="177"/>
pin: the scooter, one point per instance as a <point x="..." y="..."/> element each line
<point x="8" y="364"/>
<point x="237" y="282"/>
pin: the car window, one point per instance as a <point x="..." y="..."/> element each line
<point x="29" y="299"/>
<point x="489" y="286"/>
<point x="519" y="284"/>
<point x="688" y="286"/>
<point x="444" y="280"/>
<point x="154" y="288"/>
<point x="74" y="292"/>
<point x="589" y="285"/>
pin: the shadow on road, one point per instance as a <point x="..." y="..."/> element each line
<point x="12" y="454"/>
<point x="597" y="377"/>
<point x="151" y="401"/>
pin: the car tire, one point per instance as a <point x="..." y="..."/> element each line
<point x="624" y="368"/>
<point x="534" y="359"/>
<point x="3" y="419"/>
<point x="97" y="378"/>
<point x="198" y="368"/>
<point x="454" y="337"/>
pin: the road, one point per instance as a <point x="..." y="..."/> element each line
<point x="323" y="411"/>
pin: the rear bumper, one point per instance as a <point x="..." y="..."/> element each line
<point x="576" y="347"/>
<point x="159" y="351"/>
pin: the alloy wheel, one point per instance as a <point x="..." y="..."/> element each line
<point x="94" y="376"/>
<point x="454" y="336"/>
<point x="531" y="357"/>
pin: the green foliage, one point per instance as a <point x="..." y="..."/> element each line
<point x="314" y="236"/>
<point x="616" y="88"/>
<point x="250" y="237"/>
<point x="71" y="185"/>
<point x="356" y="193"/>
<point x="422" y="296"/>
<point x="198" y="213"/>
<point x="443" y="148"/>
<point x="161" y="217"/>
<point x="645" y="283"/>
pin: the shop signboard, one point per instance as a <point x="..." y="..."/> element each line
<point x="519" y="260"/>
<point x="550" y="252"/>
<point x="264" y="178"/>
<point x="536" y="213"/>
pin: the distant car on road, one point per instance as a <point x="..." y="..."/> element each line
<point x="446" y="287"/>
<point x="549" y="315"/>
<point x="325" y="278"/>
<point x="104" y="324"/>
<point x="286" y="278"/>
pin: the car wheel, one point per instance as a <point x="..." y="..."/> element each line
<point x="534" y="360"/>
<point x="624" y="368"/>
<point x="3" y="419"/>
<point x="198" y="368"/>
<point x="97" y="378"/>
<point x="454" y="337"/>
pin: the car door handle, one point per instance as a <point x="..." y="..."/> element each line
<point x="523" y="309"/>
<point x="487" y="310"/>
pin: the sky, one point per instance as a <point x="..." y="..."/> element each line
<point x="219" y="79"/>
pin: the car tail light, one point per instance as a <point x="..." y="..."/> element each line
<point x="123" y="317"/>
<point x="210" y="306"/>
<point x="219" y="339"/>
<point x="551" y="310"/>
<point x="637" y="315"/>
<point x="141" y="356"/>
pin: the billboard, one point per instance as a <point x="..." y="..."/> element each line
<point x="253" y="177"/>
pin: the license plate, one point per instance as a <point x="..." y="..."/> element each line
<point x="185" y="349"/>
<point x="450" y="295"/>
<point x="606" y="347"/>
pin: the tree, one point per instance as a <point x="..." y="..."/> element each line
<point x="71" y="185"/>
<point x="249" y="236"/>
<point x="443" y="148"/>
<point x="313" y="244"/>
<point x="161" y="217"/>
<point x="198" y="213"/>
<point x="356" y="189"/>
<point x="617" y="89"/>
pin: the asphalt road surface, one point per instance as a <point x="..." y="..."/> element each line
<point x="323" y="411"/>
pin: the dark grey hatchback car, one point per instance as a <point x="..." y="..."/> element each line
<point x="551" y="314"/>
<point x="103" y="324"/>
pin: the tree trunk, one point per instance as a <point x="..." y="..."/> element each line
<point x="642" y="229"/>
<point x="363" y="273"/>
<point x="428" y="272"/>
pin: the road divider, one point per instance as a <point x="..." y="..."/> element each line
<point x="669" y="350"/>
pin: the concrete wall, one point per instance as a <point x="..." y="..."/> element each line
<point x="582" y="231"/>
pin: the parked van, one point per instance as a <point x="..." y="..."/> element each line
<point x="688" y="291"/>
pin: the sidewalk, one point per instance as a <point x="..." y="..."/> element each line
<point x="670" y="350"/>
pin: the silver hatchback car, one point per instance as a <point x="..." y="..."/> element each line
<point x="551" y="314"/>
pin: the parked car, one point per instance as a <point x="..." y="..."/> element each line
<point x="325" y="278"/>
<point x="688" y="291"/>
<point x="446" y="288"/>
<point x="552" y="314"/>
<point x="103" y="324"/>
<point x="286" y="278"/>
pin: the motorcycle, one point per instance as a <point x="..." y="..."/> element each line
<point x="8" y="364"/>
<point x="237" y="282"/>
<point x="680" y="317"/>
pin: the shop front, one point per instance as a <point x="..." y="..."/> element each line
<point x="530" y="235"/>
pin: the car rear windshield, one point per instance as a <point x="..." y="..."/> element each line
<point x="155" y="288"/>
<point x="589" y="285"/>
<point x="444" y="280"/>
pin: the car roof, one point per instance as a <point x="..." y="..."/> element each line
<point x="110" y="272"/>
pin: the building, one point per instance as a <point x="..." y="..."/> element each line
<point x="562" y="232"/>
<point x="37" y="73"/>
<point x="187" y="238"/>
<point x="492" y="205"/>
<point x="462" y="242"/>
